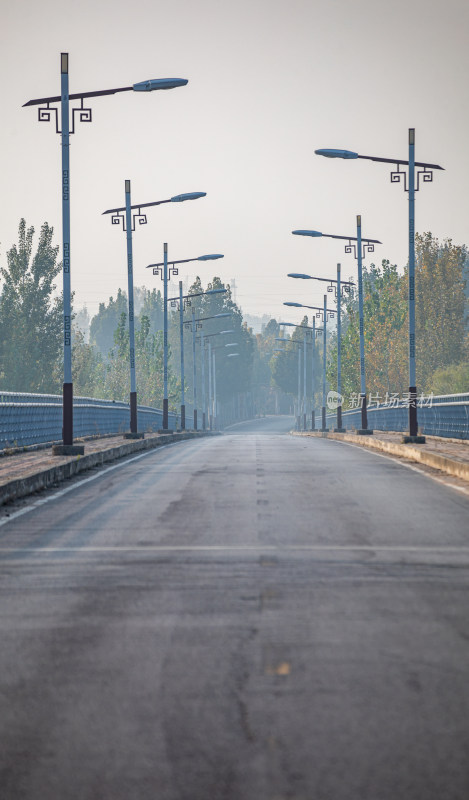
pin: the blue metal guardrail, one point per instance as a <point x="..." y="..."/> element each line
<point x="27" y="419"/>
<point x="448" y="415"/>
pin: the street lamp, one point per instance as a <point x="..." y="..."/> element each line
<point x="411" y="186"/>
<point x="327" y="313"/>
<point x="367" y="245"/>
<point x="339" y="287"/>
<point x="47" y="110"/>
<point x="314" y="332"/>
<point x="162" y="270"/>
<point x="195" y="325"/>
<point x="203" y="338"/>
<point x="299" y="343"/>
<point x="128" y="225"/>
<point x="214" y="373"/>
<point x="184" y="301"/>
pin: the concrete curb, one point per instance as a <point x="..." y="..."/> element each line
<point x="452" y="466"/>
<point x="22" y="487"/>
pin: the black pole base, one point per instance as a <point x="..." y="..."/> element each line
<point x="364" y="426"/>
<point x="339" y="430"/>
<point x="195" y="419"/>
<point x="304" y="422"/>
<point x="364" y="432"/>
<point x="67" y="418"/>
<point x="323" y="420"/>
<point x="165" y="414"/>
<point x="183" y="418"/>
<point x="67" y="448"/>
<point x="132" y="435"/>
<point x="413" y="424"/>
<point x="406" y="439"/>
<point x="313" y="421"/>
<point x="133" y="412"/>
<point x="204" y="426"/>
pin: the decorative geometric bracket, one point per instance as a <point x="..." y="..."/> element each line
<point x="44" y="114"/>
<point x="160" y="270"/>
<point x="119" y="217"/>
<point x="427" y="177"/>
<point x="344" y="289"/>
<point x="366" y="248"/>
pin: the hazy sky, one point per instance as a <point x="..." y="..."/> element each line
<point x="270" y="81"/>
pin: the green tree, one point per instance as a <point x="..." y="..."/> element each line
<point x="31" y="322"/>
<point x="89" y="369"/>
<point x="106" y="321"/>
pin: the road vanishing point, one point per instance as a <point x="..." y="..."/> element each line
<point x="251" y="616"/>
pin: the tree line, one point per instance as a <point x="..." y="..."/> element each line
<point x="265" y="371"/>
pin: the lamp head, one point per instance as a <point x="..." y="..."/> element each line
<point x="296" y="305"/>
<point x="336" y="153"/>
<point x="159" y="83"/>
<point x="307" y="233"/>
<point x="298" y="275"/>
<point x="179" y="198"/>
<point x="210" y="257"/>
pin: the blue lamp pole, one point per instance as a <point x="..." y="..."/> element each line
<point x="184" y="301"/>
<point x="162" y="269"/>
<point x="46" y="111"/>
<point x="326" y="313"/>
<point x="128" y="223"/>
<point x="411" y="186"/>
<point x="195" y="325"/>
<point x="304" y="342"/>
<point x="339" y="288"/>
<point x="206" y="411"/>
<point x="368" y="245"/>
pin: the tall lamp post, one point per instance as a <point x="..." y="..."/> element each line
<point x="314" y="332"/>
<point x="207" y="338"/>
<point x="214" y="373"/>
<point x="301" y="408"/>
<point x="128" y="224"/>
<point x="162" y="269"/>
<point x="195" y="324"/>
<point x="369" y="246"/>
<point x="425" y="170"/>
<point x="324" y="313"/>
<point x="339" y="287"/>
<point x="184" y="301"/>
<point x="48" y="110"/>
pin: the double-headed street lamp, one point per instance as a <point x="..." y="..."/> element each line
<point x="367" y="245"/>
<point x="184" y="300"/>
<point x="425" y="170"/>
<point x="162" y="269"/>
<point x="339" y="287"/>
<point x="325" y="313"/>
<point x="48" y="110"/>
<point x="128" y="225"/>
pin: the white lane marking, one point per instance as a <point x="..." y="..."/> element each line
<point x="241" y="548"/>
<point x="80" y="483"/>
<point x="397" y="460"/>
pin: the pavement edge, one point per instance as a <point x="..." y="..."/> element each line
<point x="22" y="487"/>
<point x="450" y="466"/>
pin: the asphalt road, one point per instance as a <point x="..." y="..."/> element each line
<point x="254" y="617"/>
